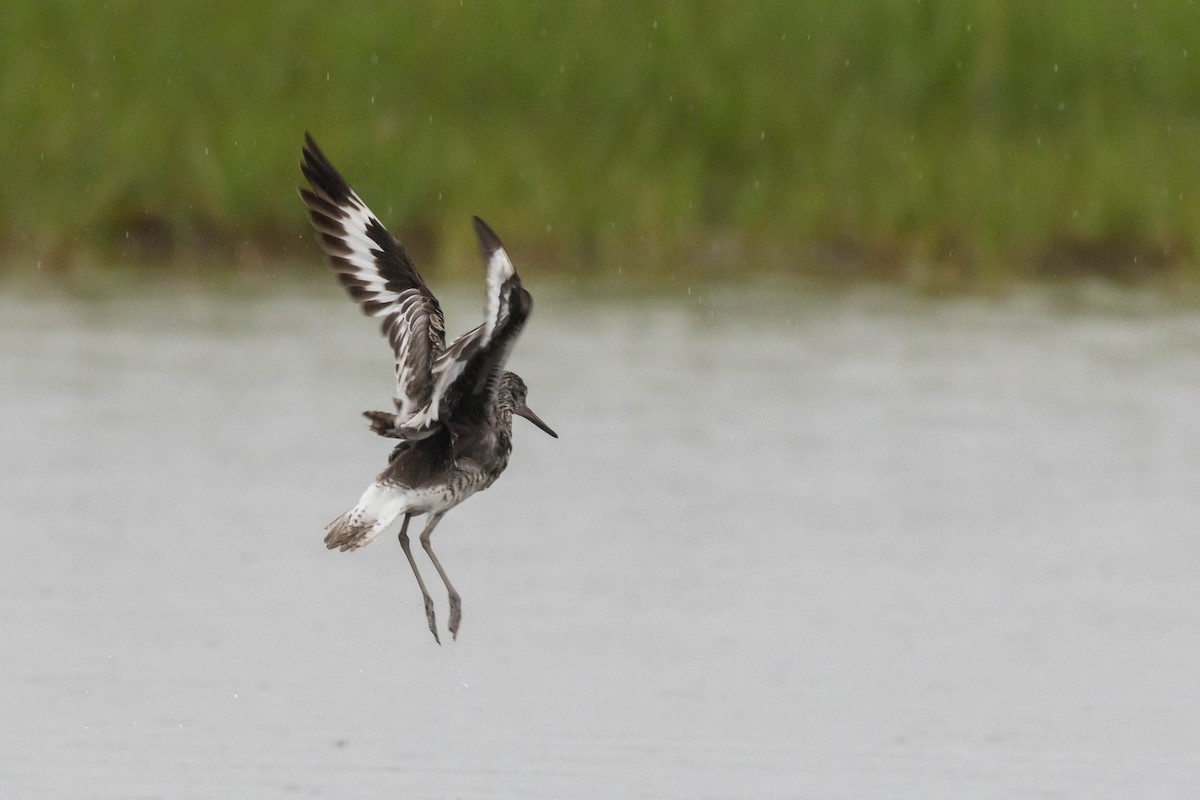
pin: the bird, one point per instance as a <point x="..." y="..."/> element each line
<point x="454" y="404"/>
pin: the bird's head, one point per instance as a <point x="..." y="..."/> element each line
<point x="513" y="392"/>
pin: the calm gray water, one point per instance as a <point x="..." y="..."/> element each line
<point x="856" y="545"/>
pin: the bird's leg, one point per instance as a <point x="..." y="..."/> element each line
<point x="421" y="583"/>
<point x="455" y="601"/>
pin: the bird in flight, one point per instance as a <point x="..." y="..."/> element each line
<point x="454" y="403"/>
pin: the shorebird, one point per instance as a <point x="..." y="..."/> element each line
<point x="454" y="404"/>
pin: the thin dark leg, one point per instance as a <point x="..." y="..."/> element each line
<point x="421" y="583"/>
<point x="455" y="600"/>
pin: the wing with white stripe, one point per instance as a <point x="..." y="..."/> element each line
<point x="478" y="356"/>
<point x="501" y="277"/>
<point x="376" y="272"/>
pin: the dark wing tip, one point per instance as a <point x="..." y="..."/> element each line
<point x="489" y="242"/>
<point x="311" y="154"/>
<point x="320" y="173"/>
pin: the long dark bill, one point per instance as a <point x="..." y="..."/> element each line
<point x="528" y="414"/>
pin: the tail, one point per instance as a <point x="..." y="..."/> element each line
<point x="377" y="509"/>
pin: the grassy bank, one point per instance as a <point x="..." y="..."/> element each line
<point x="971" y="139"/>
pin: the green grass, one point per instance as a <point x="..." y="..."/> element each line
<point x="971" y="140"/>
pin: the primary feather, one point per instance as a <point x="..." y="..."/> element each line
<point x="377" y="273"/>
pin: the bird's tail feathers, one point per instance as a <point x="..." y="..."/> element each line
<point x="377" y="509"/>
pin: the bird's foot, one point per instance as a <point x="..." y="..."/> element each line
<point x="455" y="615"/>
<point x="432" y="620"/>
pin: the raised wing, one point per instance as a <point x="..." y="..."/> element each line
<point x="468" y="370"/>
<point x="377" y="273"/>
<point x="501" y="278"/>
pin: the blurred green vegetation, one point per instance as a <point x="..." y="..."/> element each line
<point x="961" y="141"/>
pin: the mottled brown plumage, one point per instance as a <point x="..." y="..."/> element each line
<point x="454" y="404"/>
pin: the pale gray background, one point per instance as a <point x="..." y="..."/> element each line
<point x="856" y="545"/>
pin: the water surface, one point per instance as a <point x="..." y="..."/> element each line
<point x="789" y="545"/>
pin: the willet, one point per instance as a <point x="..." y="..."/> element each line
<point x="454" y="404"/>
